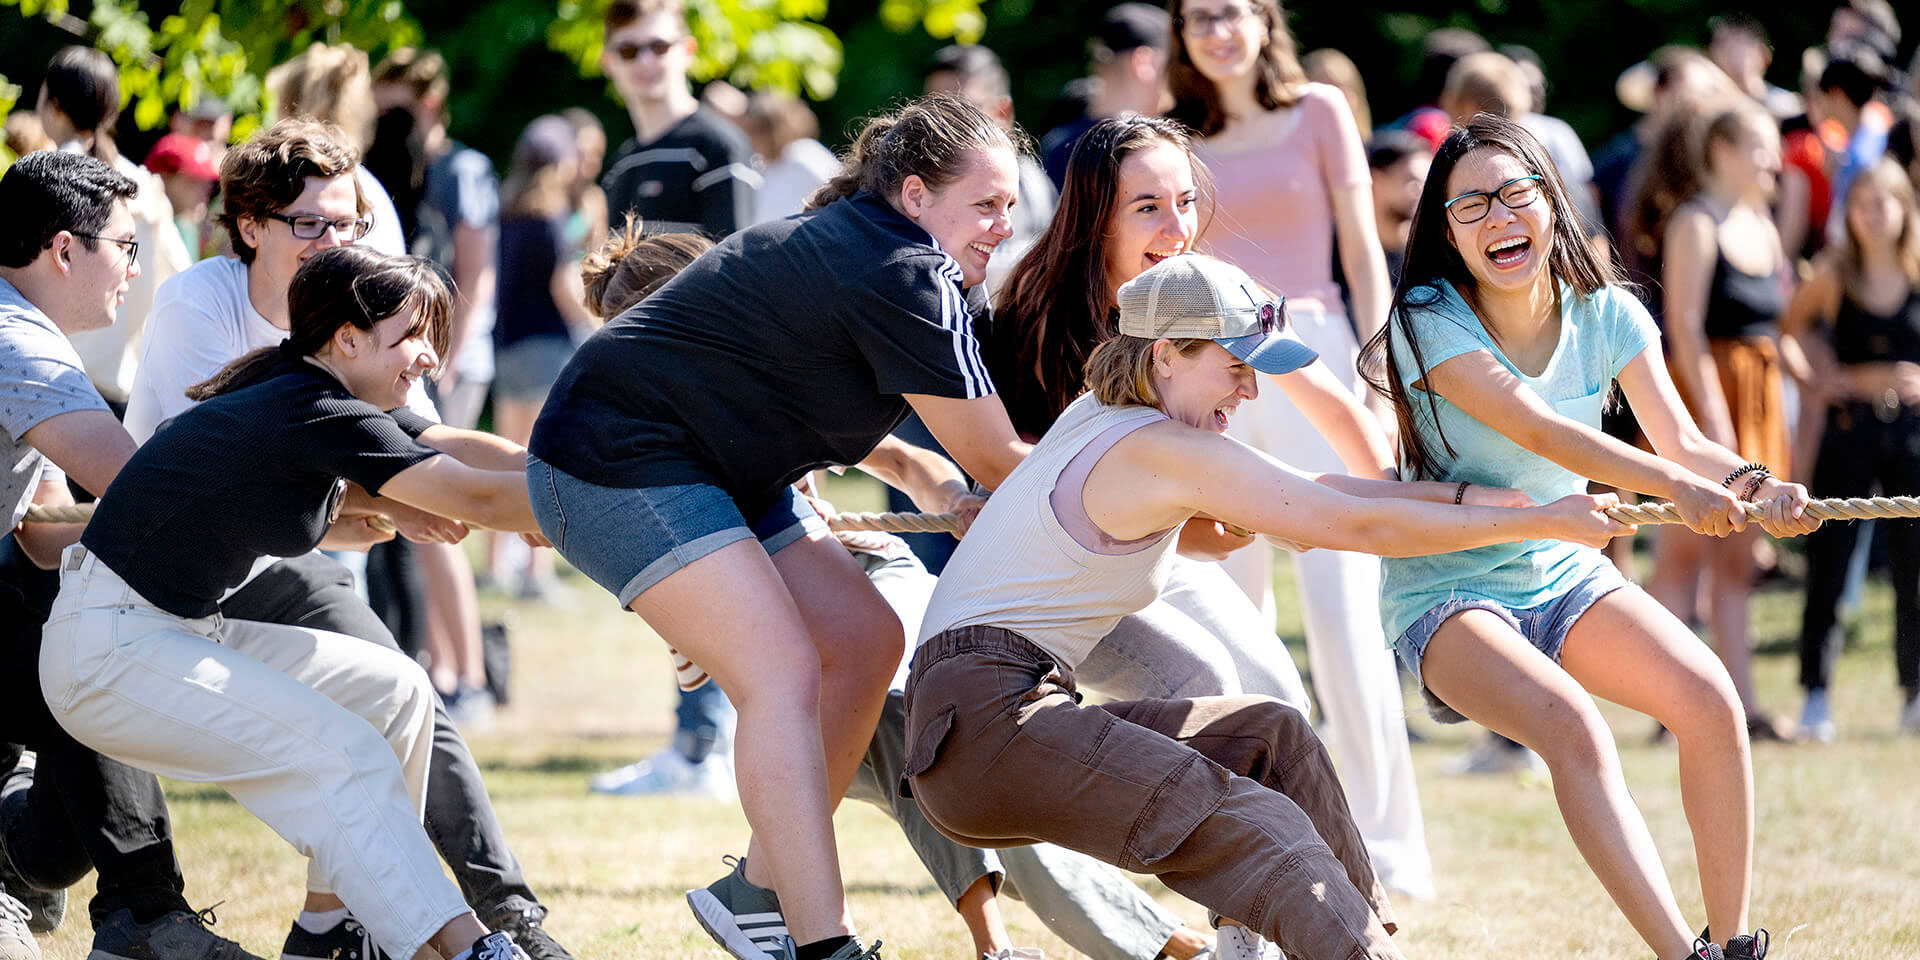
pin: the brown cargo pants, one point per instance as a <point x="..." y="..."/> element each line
<point x="1230" y="801"/>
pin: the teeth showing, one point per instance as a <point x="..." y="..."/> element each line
<point x="982" y="249"/>
<point x="1503" y="246"/>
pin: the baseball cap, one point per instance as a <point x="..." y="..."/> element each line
<point x="1132" y="25"/>
<point x="180" y="153"/>
<point x="1192" y="295"/>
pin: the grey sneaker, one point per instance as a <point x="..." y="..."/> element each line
<point x="743" y="919"/>
<point x="16" y="942"/>
<point x="174" y="936"/>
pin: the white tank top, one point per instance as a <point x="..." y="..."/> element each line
<point x="1018" y="568"/>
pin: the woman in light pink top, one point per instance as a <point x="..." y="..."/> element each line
<point x="1290" y="175"/>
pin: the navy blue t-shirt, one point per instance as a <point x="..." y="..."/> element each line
<point x="531" y="249"/>
<point x="252" y="473"/>
<point x="784" y="349"/>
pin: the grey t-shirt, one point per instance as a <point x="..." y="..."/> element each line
<point x="40" y="378"/>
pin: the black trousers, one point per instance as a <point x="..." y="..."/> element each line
<point x="314" y="591"/>
<point x="84" y="812"/>
<point x="1859" y="451"/>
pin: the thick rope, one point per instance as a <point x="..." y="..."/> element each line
<point x="1839" y="508"/>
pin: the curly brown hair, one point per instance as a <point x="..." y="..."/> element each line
<point x="270" y="171"/>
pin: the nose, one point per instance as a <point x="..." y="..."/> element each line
<point x="1003" y="223"/>
<point x="1250" y="384"/>
<point x="330" y="238"/>
<point x="133" y="268"/>
<point x="1176" y="228"/>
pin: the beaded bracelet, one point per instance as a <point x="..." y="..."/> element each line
<point x="1743" y="471"/>
<point x="1460" y="494"/>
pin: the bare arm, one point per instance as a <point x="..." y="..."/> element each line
<point x="476" y="448"/>
<point x="494" y="499"/>
<point x="976" y="432"/>
<point x="1340" y="417"/>
<point x="1790" y="209"/>
<point x="1803" y="351"/>
<point x="90" y="445"/>
<point x="569" y="292"/>
<point x="1361" y="257"/>
<point x="1688" y="256"/>
<point x="931" y="480"/>
<point x="42" y="542"/>
<point x="1167" y="471"/>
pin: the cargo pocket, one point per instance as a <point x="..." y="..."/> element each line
<point x="926" y="748"/>
<point x="1184" y="800"/>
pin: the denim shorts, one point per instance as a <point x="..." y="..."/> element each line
<point x="526" y="369"/>
<point x="1545" y="626"/>
<point x="627" y="540"/>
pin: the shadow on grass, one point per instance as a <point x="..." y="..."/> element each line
<point x="675" y="892"/>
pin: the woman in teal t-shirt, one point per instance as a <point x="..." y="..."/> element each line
<point x="1505" y="340"/>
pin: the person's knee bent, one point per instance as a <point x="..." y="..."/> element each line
<point x="1570" y="734"/>
<point x="866" y="643"/>
<point x="779" y="674"/>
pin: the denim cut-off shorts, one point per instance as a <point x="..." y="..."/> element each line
<point x="627" y="540"/>
<point x="1544" y="626"/>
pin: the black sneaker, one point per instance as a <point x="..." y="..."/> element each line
<point x="45" y="908"/>
<point x="346" y="940"/>
<point x="179" y="935"/>
<point x="1749" y="947"/>
<point x="1704" y="949"/>
<point x="523" y="926"/>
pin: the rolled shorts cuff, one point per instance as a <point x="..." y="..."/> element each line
<point x="629" y="539"/>
<point x="1545" y="626"/>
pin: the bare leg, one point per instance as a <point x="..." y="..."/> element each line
<point x="1629" y="650"/>
<point x="1731" y="581"/>
<point x="1481" y="667"/>
<point x="513" y="420"/>
<point x="453" y="612"/>
<point x="730" y="612"/>
<point x="980" y="910"/>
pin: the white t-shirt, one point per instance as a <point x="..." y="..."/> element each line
<point x="202" y="319"/>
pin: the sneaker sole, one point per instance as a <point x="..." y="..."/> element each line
<point x="719" y="924"/>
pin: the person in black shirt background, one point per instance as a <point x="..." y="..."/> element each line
<point x="137" y="663"/>
<point x="685" y="170"/>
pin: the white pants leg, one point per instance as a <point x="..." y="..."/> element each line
<point x="1353" y="667"/>
<point x="324" y="737"/>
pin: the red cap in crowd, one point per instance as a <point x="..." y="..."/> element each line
<point x="179" y="153"/>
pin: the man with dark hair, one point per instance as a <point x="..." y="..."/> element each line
<point x="1399" y="160"/>
<point x="63" y="272"/>
<point x="685" y="170"/>
<point x="1129" y="76"/>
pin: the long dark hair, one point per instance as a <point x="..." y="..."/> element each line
<point x="1277" y="72"/>
<point x="85" y="85"/>
<point x="1431" y="258"/>
<point x="932" y="137"/>
<point x="345" y="285"/>
<point x="1056" y="305"/>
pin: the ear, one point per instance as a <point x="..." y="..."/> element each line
<point x="249" y="231"/>
<point x="1161" y="351"/>
<point x="914" y="196"/>
<point x="345" y="341"/>
<point x="61" y="246"/>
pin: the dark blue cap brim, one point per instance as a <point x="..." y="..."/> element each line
<point x="1270" y="353"/>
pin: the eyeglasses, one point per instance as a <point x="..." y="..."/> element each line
<point x="629" y="50"/>
<point x="1514" y="194"/>
<point x="1202" y="24"/>
<point x="132" y="247"/>
<point x="309" y="227"/>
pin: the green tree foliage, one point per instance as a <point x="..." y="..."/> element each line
<point x="759" y="44"/>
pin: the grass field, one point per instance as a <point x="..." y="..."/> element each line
<point x="1837" y="873"/>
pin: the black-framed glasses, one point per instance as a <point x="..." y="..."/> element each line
<point x="310" y="227"/>
<point x="629" y="50"/>
<point x="132" y="247"/>
<point x="1203" y="24"/>
<point x="1514" y="194"/>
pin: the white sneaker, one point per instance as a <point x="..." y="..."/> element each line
<point x="1910" y="717"/>
<point x="667" y="773"/>
<point x="16" y="942"/>
<point x="1015" y="953"/>
<point x="1816" y="718"/>
<point x="1240" y="943"/>
<point x="1492" y="756"/>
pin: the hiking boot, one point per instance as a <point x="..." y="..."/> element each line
<point x="178" y="935"/>
<point x="346" y="940"/>
<point x="523" y="927"/>
<point x="743" y="919"/>
<point x="16" y="942"/>
<point x="45" y="908"/>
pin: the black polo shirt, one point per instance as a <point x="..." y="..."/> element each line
<point x="784" y="349"/>
<point x="251" y="473"/>
<point x="698" y="177"/>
